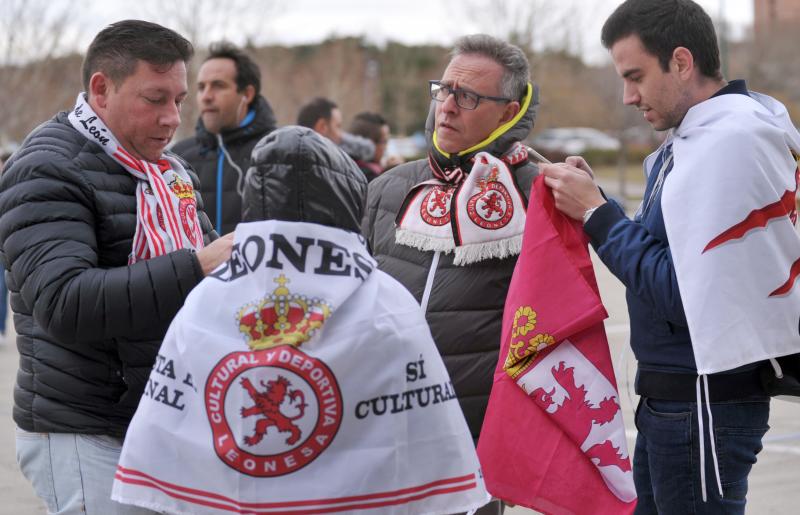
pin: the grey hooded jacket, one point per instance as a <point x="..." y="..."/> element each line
<point x="465" y="305"/>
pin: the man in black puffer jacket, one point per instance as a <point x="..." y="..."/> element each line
<point x="103" y="238"/>
<point x="484" y="103"/>
<point x="233" y="118"/>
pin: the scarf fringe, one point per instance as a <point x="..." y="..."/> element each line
<point x="423" y="242"/>
<point x="489" y="187"/>
<point x="474" y="252"/>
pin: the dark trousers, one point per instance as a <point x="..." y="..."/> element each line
<point x="666" y="462"/>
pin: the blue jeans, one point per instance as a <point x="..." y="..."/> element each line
<point x="73" y="473"/>
<point x="666" y="463"/>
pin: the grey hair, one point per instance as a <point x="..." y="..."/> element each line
<point x="516" y="70"/>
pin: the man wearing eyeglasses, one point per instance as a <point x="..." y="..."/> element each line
<point x="449" y="227"/>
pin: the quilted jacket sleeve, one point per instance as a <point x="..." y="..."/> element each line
<point x="49" y="244"/>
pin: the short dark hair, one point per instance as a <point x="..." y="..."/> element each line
<point x="117" y="48"/>
<point x="247" y="71"/>
<point x="318" y="108"/>
<point x="663" y="26"/>
<point x="368" y="125"/>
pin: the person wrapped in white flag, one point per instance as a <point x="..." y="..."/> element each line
<point x="298" y="378"/>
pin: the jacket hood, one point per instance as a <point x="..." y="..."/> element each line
<point x="497" y="142"/>
<point x="297" y="175"/>
<point x="263" y="121"/>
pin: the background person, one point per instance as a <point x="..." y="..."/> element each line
<point x="483" y="103"/>
<point x="234" y="116"/>
<point x="375" y="128"/>
<point x="324" y="116"/>
<point x="704" y="290"/>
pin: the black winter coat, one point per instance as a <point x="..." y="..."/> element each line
<point x="203" y="154"/>
<point x="465" y="308"/>
<point x="88" y="325"/>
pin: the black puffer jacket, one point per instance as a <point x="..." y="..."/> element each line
<point x="299" y="176"/>
<point x="203" y="154"/>
<point x="465" y="308"/>
<point x="89" y="326"/>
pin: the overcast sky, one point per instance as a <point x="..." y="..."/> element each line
<point x="408" y="21"/>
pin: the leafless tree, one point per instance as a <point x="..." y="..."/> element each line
<point x="204" y="21"/>
<point x="34" y="30"/>
<point x="35" y="40"/>
<point x="533" y="25"/>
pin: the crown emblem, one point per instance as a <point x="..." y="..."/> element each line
<point x="483" y="182"/>
<point x="181" y="188"/>
<point x="281" y="318"/>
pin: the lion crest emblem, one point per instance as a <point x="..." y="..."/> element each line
<point x="267" y="404"/>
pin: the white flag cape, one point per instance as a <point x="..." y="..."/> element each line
<point x="298" y="378"/>
<point x="729" y="212"/>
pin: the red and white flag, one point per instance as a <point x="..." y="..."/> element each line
<point x="299" y="379"/>
<point x="731" y="230"/>
<point x="553" y="438"/>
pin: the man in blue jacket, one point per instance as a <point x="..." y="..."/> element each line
<point x="704" y="325"/>
<point x="234" y="116"/>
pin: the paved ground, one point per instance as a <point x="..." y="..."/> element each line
<point x="773" y="487"/>
<point x="16" y="495"/>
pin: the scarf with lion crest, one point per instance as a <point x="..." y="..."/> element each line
<point x="166" y="209"/>
<point x="478" y="215"/>
<point x="472" y="208"/>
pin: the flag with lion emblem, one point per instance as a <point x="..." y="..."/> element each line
<point x="298" y="378"/>
<point x="553" y="438"/>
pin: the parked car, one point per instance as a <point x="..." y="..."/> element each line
<point x="573" y="140"/>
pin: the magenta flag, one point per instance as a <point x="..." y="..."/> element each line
<point x="553" y="438"/>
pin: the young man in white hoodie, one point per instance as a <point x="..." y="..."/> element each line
<point x="709" y="260"/>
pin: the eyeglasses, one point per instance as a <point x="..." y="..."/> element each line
<point x="465" y="99"/>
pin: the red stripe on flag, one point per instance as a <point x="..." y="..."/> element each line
<point x="794" y="272"/>
<point x="757" y="218"/>
<point x="435" y="488"/>
<point x="238" y="508"/>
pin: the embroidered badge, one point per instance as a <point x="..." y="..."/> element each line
<point x="187" y="207"/>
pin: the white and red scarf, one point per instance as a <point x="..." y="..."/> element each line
<point x="166" y="209"/>
<point x="478" y="215"/>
